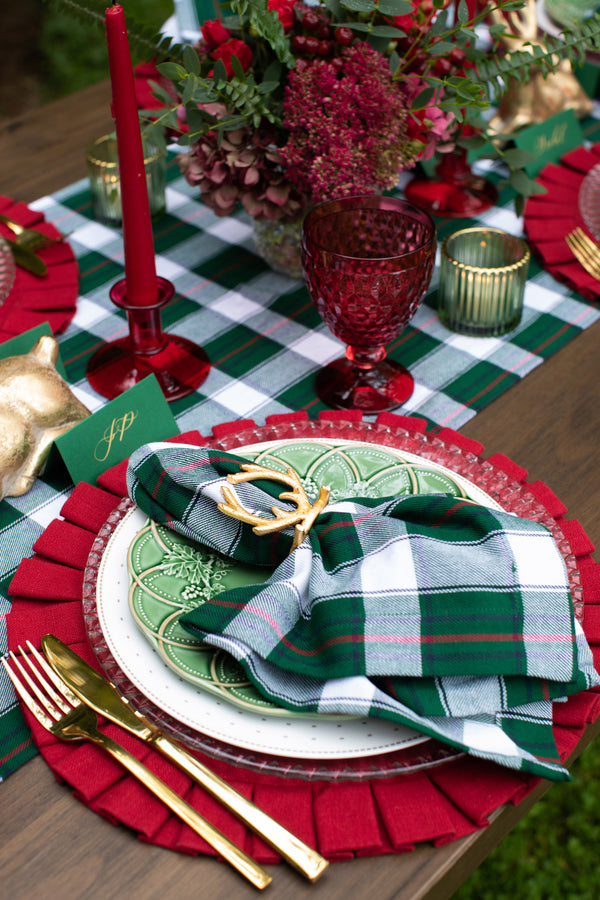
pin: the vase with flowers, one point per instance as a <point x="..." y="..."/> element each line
<point x="283" y="105"/>
<point x="312" y="111"/>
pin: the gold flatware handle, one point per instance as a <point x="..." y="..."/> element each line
<point x="27" y="259"/>
<point x="585" y="251"/>
<point x="258" y="876"/>
<point x="296" y="852"/>
<point x="99" y="694"/>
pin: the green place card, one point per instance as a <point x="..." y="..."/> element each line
<point x="22" y="344"/>
<point x="549" y="140"/>
<point x="111" y="434"/>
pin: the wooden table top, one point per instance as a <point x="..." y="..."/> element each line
<point x="50" y="844"/>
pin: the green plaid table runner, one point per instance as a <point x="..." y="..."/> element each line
<point x="385" y="607"/>
<point x="265" y="342"/>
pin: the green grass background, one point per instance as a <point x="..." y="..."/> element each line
<point x="555" y="851"/>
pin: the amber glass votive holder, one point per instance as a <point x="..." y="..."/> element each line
<point x="482" y="279"/>
<point x="105" y="185"/>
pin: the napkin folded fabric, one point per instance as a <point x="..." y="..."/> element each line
<point x="446" y="616"/>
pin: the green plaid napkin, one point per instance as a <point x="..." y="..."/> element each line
<point x="447" y="616"/>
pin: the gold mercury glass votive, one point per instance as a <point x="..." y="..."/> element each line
<point x="105" y="187"/>
<point x="482" y="281"/>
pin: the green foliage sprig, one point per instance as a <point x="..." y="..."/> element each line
<point x="518" y="64"/>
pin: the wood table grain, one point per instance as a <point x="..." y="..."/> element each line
<point x="53" y="846"/>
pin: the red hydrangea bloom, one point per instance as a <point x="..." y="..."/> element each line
<point x="246" y="168"/>
<point x="347" y="125"/>
<point x="231" y="48"/>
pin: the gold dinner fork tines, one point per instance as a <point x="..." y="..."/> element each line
<point x="60" y="712"/>
<point x="585" y="251"/>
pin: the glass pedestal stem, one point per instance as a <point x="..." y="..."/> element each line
<point x="180" y="366"/>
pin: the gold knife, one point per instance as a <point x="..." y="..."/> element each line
<point x="27" y="259"/>
<point x="102" y="696"/>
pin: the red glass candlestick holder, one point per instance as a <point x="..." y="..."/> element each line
<point x="179" y="365"/>
<point x="456" y="192"/>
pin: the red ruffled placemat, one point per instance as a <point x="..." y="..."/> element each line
<point x="549" y="217"/>
<point x="342" y="819"/>
<point x="32" y="299"/>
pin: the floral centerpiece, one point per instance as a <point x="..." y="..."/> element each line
<point x="335" y="121"/>
<point x="283" y="104"/>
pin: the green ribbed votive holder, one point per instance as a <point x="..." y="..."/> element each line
<point x="483" y="272"/>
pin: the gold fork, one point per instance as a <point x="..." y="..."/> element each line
<point x="585" y="251"/>
<point x="60" y="712"/>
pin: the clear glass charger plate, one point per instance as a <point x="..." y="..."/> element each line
<point x="589" y="200"/>
<point x="7" y="270"/>
<point x="296" y="746"/>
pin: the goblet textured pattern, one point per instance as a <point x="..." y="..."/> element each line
<point x="367" y="262"/>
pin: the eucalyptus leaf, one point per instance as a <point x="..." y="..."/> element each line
<point x="203" y="94"/>
<point x="517" y="158"/>
<point x="475" y="142"/>
<point x="382" y="31"/>
<point x="237" y="67"/>
<point x="359" y="5"/>
<point x="219" y="72"/>
<point x="424" y="98"/>
<point x="462" y="12"/>
<point x="196" y="122"/>
<point x="335" y="8"/>
<point x="273" y="72"/>
<point x="394" y="7"/>
<point x="386" y="31"/>
<point x="522" y="183"/>
<point x="519" y="205"/>
<point x="188" y="90"/>
<point x="267" y="87"/>
<point x="440" y="24"/>
<point x="191" y="60"/>
<point x="495" y="31"/>
<point x="160" y="93"/>
<point x="171" y="70"/>
<point x="442" y="48"/>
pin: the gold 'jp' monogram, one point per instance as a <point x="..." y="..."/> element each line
<point x="114" y="432"/>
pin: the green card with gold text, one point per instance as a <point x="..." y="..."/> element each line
<point x="112" y="433"/>
<point x="550" y="140"/>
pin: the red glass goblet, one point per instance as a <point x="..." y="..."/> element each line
<point x="367" y="262"/>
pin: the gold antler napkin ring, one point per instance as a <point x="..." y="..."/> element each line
<point x="302" y="518"/>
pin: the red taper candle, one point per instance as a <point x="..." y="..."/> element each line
<point x="140" y="264"/>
